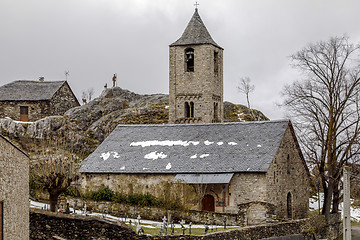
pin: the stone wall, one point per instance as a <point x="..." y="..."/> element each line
<point x="156" y="214"/>
<point x="14" y="191"/>
<point x="54" y="226"/>
<point x="203" y="86"/>
<point x="159" y="185"/>
<point x="36" y="109"/>
<point x="63" y="100"/>
<point x="288" y="176"/>
<point x="47" y="225"/>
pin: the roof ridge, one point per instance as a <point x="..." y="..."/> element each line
<point x="203" y="124"/>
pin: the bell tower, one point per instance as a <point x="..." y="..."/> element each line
<point x="196" y="76"/>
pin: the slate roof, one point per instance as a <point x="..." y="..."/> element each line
<point x="195" y="33"/>
<point x="24" y="90"/>
<point x="188" y="148"/>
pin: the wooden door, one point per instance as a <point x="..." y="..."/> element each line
<point x="1" y="221"/>
<point x="208" y="203"/>
<point x="24" y="113"/>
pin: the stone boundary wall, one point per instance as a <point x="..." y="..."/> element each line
<point x="45" y="225"/>
<point x="153" y="213"/>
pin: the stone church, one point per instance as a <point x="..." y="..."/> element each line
<point x="26" y="100"/>
<point x="253" y="169"/>
<point x="14" y="191"/>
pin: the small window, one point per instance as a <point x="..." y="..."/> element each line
<point x="189" y="59"/>
<point x="216" y="62"/>
<point x="191" y="109"/>
<point x="288" y="164"/>
<point x="216" y="109"/>
<point x="289" y="211"/>
<point x="187" y="110"/>
<point x="24" y="113"/>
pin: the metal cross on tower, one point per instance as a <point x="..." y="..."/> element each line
<point x="196" y="5"/>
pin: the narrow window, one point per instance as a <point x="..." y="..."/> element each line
<point x="289" y="211"/>
<point x="189" y="59"/>
<point x="187" y="110"/>
<point x="288" y="165"/>
<point x="216" y="62"/>
<point x="24" y="113"/>
<point x="215" y="111"/>
<point x="191" y="109"/>
<point x="1" y="221"/>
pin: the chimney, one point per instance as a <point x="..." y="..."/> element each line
<point x="41" y="79"/>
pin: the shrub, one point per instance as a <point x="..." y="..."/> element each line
<point x="72" y="191"/>
<point x="104" y="193"/>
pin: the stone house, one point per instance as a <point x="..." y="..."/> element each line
<point x="32" y="100"/>
<point x="14" y="192"/>
<point x="253" y="169"/>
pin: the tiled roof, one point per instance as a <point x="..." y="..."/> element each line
<point x="24" y="90"/>
<point x="188" y="148"/>
<point x="195" y="33"/>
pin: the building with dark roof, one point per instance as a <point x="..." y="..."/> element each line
<point x="255" y="170"/>
<point x="14" y="191"/>
<point x="255" y="166"/>
<point x="32" y="100"/>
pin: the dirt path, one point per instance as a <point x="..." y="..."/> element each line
<point x="355" y="232"/>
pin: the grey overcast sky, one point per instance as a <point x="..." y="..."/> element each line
<point x="95" y="38"/>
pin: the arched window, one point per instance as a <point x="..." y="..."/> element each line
<point x="189" y="59"/>
<point x="187" y="110"/>
<point x="191" y="109"/>
<point x="289" y="211"/>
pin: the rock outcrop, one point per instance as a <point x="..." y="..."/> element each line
<point x="87" y="126"/>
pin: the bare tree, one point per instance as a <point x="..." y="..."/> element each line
<point x="246" y="88"/>
<point x="200" y="190"/>
<point x="87" y="95"/>
<point x="325" y="109"/>
<point x="55" y="167"/>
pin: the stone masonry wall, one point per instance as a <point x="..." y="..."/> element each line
<point x="288" y="174"/>
<point x="14" y="191"/>
<point x="203" y="87"/>
<point x="159" y="185"/>
<point x="244" y="188"/>
<point x="37" y="109"/>
<point x="63" y="100"/>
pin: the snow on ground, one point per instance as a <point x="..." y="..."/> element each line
<point x="144" y="223"/>
<point x="354" y="211"/>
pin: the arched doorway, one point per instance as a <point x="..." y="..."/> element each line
<point x="289" y="212"/>
<point x="208" y="203"/>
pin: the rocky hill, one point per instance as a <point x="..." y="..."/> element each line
<point x="87" y="126"/>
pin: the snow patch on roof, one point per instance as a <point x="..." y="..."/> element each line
<point x="155" y="155"/>
<point x="105" y="156"/>
<point x="168" y="166"/>
<point x="163" y="143"/>
<point x="208" y="143"/>
<point x="122" y="168"/>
